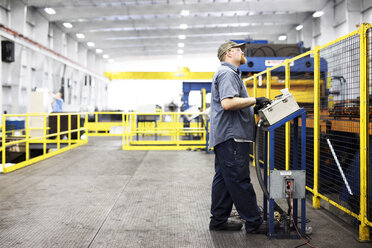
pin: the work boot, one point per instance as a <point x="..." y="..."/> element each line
<point x="229" y="225"/>
<point x="264" y="228"/>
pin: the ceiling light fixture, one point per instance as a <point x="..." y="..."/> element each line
<point x="80" y="36"/>
<point x="181" y="36"/>
<point x="183" y="26"/>
<point x="99" y="50"/>
<point x="179" y="57"/>
<point x="180" y="51"/>
<point x="185" y="12"/>
<point x="67" y="25"/>
<point x="50" y="11"/>
<point x="105" y="56"/>
<point x="90" y="44"/>
<point x="181" y="44"/>
<point x="282" y="37"/>
<point x="317" y="14"/>
<point x="111" y="61"/>
<point x="299" y="27"/>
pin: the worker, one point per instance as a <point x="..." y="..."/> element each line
<point x="57" y="103"/>
<point x="232" y="130"/>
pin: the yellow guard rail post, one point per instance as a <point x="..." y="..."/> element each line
<point x="364" y="134"/>
<point x="287" y="124"/>
<point x="316" y="199"/>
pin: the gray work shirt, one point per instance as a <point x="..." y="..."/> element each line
<point x="229" y="124"/>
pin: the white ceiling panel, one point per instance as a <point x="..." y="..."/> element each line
<point x="151" y="27"/>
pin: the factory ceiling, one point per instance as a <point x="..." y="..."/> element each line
<point x="129" y="28"/>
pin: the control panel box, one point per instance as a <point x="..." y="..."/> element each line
<point x="279" y="109"/>
<point x="279" y="180"/>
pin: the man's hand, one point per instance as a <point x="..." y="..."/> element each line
<point x="256" y="108"/>
<point x="262" y="101"/>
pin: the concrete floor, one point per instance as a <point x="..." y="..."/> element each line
<point x="100" y="196"/>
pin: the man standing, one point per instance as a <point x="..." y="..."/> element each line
<point x="57" y="103"/>
<point x="232" y="129"/>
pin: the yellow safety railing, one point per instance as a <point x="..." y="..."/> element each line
<point x="338" y="112"/>
<point x="14" y="132"/>
<point x="169" y="131"/>
<point x="36" y="127"/>
<point x="102" y="123"/>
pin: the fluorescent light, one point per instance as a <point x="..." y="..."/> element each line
<point x="181" y="44"/>
<point x="90" y="44"/>
<point x="111" y="61"/>
<point x="299" y="27"/>
<point x="185" y="12"/>
<point x="50" y="11"/>
<point x="180" y="51"/>
<point x="179" y="57"/>
<point x="282" y="37"/>
<point x="317" y="14"/>
<point x="105" y="56"/>
<point x="181" y="36"/>
<point x="183" y="26"/>
<point x="80" y="36"/>
<point x="99" y="50"/>
<point x="67" y="25"/>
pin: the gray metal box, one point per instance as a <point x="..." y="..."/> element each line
<point x="279" y="109"/>
<point x="277" y="183"/>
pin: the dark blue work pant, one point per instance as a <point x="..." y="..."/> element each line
<point x="232" y="185"/>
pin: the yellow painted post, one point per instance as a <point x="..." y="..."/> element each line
<point x="316" y="199"/>
<point x="69" y="129"/>
<point x="45" y="133"/>
<point x="204" y="104"/>
<point x="254" y="86"/>
<point x="204" y="107"/>
<point x="86" y="124"/>
<point x="178" y="128"/>
<point x="58" y="130"/>
<point x="3" y="150"/>
<point x="364" y="136"/>
<point x="123" y="120"/>
<point x="287" y="125"/>
<point x="268" y="95"/>
<point x="96" y="120"/>
<point x="27" y="139"/>
<point x="254" y="95"/>
<point x="78" y="127"/>
<point x="133" y="128"/>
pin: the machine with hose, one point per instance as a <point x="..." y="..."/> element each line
<point x="282" y="184"/>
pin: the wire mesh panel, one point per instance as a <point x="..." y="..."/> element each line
<point x="302" y="87"/>
<point x="339" y="121"/>
<point x="278" y="83"/>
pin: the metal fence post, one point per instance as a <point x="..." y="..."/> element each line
<point x="27" y="138"/>
<point x="287" y="125"/>
<point x="254" y="95"/>
<point x="3" y="142"/>
<point x="316" y="199"/>
<point x="45" y="134"/>
<point x="58" y="130"/>
<point x="268" y="95"/>
<point x="364" y="134"/>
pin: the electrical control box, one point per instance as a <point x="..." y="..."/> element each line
<point x="280" y="180"/>
<point x="279" y="108"/>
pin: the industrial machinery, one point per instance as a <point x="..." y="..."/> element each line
<point x="282" y="184"/>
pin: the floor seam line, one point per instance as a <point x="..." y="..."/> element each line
<point x="107" y="215"/>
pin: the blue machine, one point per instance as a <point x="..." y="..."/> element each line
<point x="193" y="86"/>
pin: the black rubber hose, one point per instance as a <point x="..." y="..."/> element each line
<point x="258" y="170"/>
